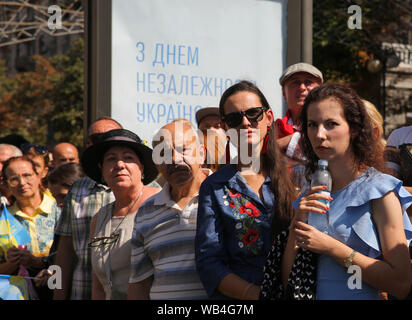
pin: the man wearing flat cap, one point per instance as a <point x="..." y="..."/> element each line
<point x="296" y="81"/>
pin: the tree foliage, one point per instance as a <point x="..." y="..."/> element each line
<point x="342" y="53"/>
<point x="45" y="104"/>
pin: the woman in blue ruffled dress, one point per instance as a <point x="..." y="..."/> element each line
<point x="365" y="250"/>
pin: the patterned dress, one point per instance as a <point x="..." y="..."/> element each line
<point x="233" y="230"/>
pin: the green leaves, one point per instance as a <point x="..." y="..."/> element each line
<point x="45" y="105"/>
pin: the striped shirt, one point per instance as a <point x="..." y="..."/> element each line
<point x="82" y="202"/>
<point x="163" y="245"/>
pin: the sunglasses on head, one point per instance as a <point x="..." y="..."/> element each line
<point x="234" y="119"/>
<point x="25" y="147"/>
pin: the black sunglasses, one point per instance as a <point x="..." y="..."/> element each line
<point x="234" y="119"/>
<point x="103" y="241"/>
<point x="25" y="147"/>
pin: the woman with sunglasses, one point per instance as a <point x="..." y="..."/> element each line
<point x="123" y="162"/>
<point x="239" y="203"/>
<point x="365" y="248"/>
<point x="36" y="210"/>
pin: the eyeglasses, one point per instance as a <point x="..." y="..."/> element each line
<point x="15" y="180"/>
<point x="234" y="119"/>
<point x="103" y="241"/>
<point x="25" y="147"/>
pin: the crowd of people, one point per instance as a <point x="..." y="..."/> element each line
<point x="220" y="211"/>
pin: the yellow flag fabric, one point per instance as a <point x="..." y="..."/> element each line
<point x="13" y="288"/>
<point x="12" y="233"/>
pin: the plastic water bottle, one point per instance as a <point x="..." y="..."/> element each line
<point x="321" y="177"/>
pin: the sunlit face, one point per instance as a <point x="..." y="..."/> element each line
<point x="59" y="192"/>
<point x="22" y="180"/>
<point x="40" y="164"/>
<point x="5" y="154"/>
<point x="296" y="89"/>
<point x="182" y="155"/>
<point x="65" y="153"/>
<point x="328" y="131"/>
<point x="211" y="123"/>
<point x="121" y="167"/>
<point x="250" y="132"/>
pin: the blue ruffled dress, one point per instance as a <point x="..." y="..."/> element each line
<point x="350" y="221"/>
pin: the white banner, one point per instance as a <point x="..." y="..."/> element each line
<point x="173" y="57"/>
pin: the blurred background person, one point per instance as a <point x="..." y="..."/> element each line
<point x="65" y="152"/>
<point x="60" y="180"/>
<point x="377" y="123"/>
<point x="40" y="156"/>
<point x="7" y="151"/>
<point x="213" y="137"/>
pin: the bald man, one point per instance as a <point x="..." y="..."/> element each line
<point x="170" y="217"/>
<point x="65" y="152"/>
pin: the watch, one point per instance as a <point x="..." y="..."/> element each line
<point x="348" y="261"/>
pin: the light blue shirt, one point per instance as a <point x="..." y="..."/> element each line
<point x="350" y="221"/>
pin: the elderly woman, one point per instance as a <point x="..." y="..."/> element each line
<point x="123" y="162"/>
<point x="35" y="209"/>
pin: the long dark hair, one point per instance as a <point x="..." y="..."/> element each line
<point x="272" y="163"/>
<point x="365" y="147"/>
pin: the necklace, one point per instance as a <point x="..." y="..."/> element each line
<point x="105" y="240"/>
<point x="128" y="212"/>
<point x="117" y="235"/>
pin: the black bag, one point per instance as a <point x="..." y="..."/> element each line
<point x="406" y="163"/>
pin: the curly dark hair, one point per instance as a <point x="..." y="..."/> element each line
<point x="272" y="162"/>
<point x="366" y="149"/>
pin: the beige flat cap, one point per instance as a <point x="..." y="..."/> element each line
<point x="300" y="67"/>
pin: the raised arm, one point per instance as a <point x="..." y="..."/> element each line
<point x="393" y="274"/>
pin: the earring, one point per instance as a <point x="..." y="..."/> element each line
<point x="265" y="142"/>
<point x="142" y="176"/>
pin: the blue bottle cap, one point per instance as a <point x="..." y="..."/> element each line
<point x="322" y="162"/>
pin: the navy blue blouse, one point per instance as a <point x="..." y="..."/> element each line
<point x="233" y="229"/>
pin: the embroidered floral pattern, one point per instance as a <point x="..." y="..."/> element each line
<point x="247" y="226"/>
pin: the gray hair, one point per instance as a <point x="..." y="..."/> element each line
<point x="16" y="151"/>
